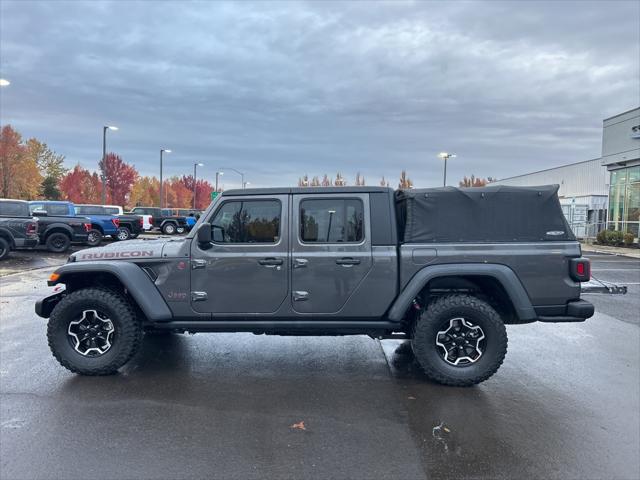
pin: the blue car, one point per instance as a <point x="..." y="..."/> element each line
<point x="101" y="224"/>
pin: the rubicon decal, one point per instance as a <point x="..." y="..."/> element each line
<point x="125" y="254"/>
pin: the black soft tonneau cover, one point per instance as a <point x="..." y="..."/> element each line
<point x="481" y="214"/>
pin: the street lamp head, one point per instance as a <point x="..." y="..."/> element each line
<point x="4" y="82"/>
<point x="165" y="150"/>
<point x="200" y="164"/>
<point x="446" y="155"/>
<point x="220" y="173"/>
<point x="111" y="127"/>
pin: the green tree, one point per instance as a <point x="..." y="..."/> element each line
<point x="50" y="189"/>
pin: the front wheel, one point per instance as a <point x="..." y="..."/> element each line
<point x="180" y="229"/>
<point x="94" y="238"/>
<point x="93" y="331"/>
<point x="168" y="229"/>
<point x="459" y="340"/>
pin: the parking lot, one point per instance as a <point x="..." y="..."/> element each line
<point x="565" y="404"/>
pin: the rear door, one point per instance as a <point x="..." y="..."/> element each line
<point x="245" y="268"/>
<point x="331" y="250"/>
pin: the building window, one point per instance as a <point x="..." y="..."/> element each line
<point x="624" y="200"/>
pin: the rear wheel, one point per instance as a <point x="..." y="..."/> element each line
<point x="58" y="242"/>
<point x="4" y="248"/>
<point x="123" y="234"/>
<point x="459" y="340"/>
<point x="168" y="228"/>
<point x="93" y="331"/>
<point x="94" y="238"/>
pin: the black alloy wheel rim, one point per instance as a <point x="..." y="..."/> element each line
<point x="91" y="333"/>
<point x="460" y="342"/>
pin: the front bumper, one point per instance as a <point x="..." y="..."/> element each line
<point x="576" y="311"/>
<point x="44" y="307"/>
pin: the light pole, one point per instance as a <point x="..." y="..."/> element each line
<point x="104" y="161"/>
<point x="195" y="166"/>
<point x="446" y="156"/>
<point x="234" y="170"/>
<point x="218" y="174"/>
<point x="162" y="150"/>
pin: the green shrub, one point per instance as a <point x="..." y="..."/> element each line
<point x="601" y="237"/>
<point x="628" y="239"/>
<point x="614" y="237"/>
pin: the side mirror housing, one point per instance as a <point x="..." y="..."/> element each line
<point x="204" y="234"/>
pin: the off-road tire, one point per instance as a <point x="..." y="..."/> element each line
<point x="127" y="335"/>
<point x="123" y="234"/>
<point x="180" y="230"/>
<point x="169" y="228"/>
<point x="427" y="353"/>
<point x="94" y="238"/>
<point x="58" y="242"/>
<point x="4" y="248"/>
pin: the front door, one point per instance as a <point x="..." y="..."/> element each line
<point x="331" y="250"/>
<point x="245" y="268"/>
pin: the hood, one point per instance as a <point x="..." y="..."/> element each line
<point x="128" y="250"/>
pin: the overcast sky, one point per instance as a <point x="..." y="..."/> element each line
<point x="282" y="89"/>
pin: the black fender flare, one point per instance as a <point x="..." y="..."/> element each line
<point x="56" y="226"/>
<point x="503" y="274"/>
<point x="134" y="279"/>
<point x="6" y="234"/>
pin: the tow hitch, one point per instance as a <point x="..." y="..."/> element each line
<point x="601" y="287"/>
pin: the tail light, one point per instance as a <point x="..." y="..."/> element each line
<point x="116" y="222"/>
<point x="580" y="269"/>
<point x="150" y="220"/>
<point x="32" y="229"/>
<point x="87" y="227"/>
<point x="141" y="222"/>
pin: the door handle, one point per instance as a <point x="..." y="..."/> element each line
<point x="300" y="262"/>
<point x="348" y="261"/>
<point x="270" y="262"/>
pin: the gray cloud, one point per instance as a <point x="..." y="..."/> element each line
<point x="283" y="89"/>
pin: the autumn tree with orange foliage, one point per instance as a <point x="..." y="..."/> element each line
<point x="120" y="178"/>
<point x="472" y="181"/>
<point x="81" y="186"/>
<point x="19" y="174"/>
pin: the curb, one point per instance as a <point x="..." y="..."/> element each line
<point x="619" y="252"/>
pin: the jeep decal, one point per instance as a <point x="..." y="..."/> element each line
<point x="125" y="254"/>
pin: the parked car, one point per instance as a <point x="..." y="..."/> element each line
<point x="56" y="229"/>
<point x="102" y="222"/>
<point x="167" y="224"/>
<point x="129" y="226"/>
<point x="191" y="216"/>
<point x="114" y="209"/>
<point x="18" y="229"/>
<point x="446" y="268"/>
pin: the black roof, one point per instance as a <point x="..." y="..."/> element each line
<point x="304" y="190"/>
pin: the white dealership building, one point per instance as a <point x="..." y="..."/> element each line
<point x="602" y="192"/>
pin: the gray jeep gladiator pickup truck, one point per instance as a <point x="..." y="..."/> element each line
<point x="447" y="268"/>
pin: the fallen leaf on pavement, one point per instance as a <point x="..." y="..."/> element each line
<point x="299" y="426"/>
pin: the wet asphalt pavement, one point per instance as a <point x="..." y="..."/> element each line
<point x="565" y="404"/>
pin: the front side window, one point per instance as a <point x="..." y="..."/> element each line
<point x="57" y="209"/>
<point x="247" y="222"/>
<point x="331" y="221"/>
<point x="112" y="210"/>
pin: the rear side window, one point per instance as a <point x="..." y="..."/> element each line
<point x="110" y="210"/>
<point x="14" y="209"/>
<point x="51" y="209"/>
<point x="255" y="221"/>
<point x="332" y="221"/>
<point x="90" y="210"/>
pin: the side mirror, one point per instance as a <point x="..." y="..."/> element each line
<point x="39" y="213"/>
<point x="204" y="234"/>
